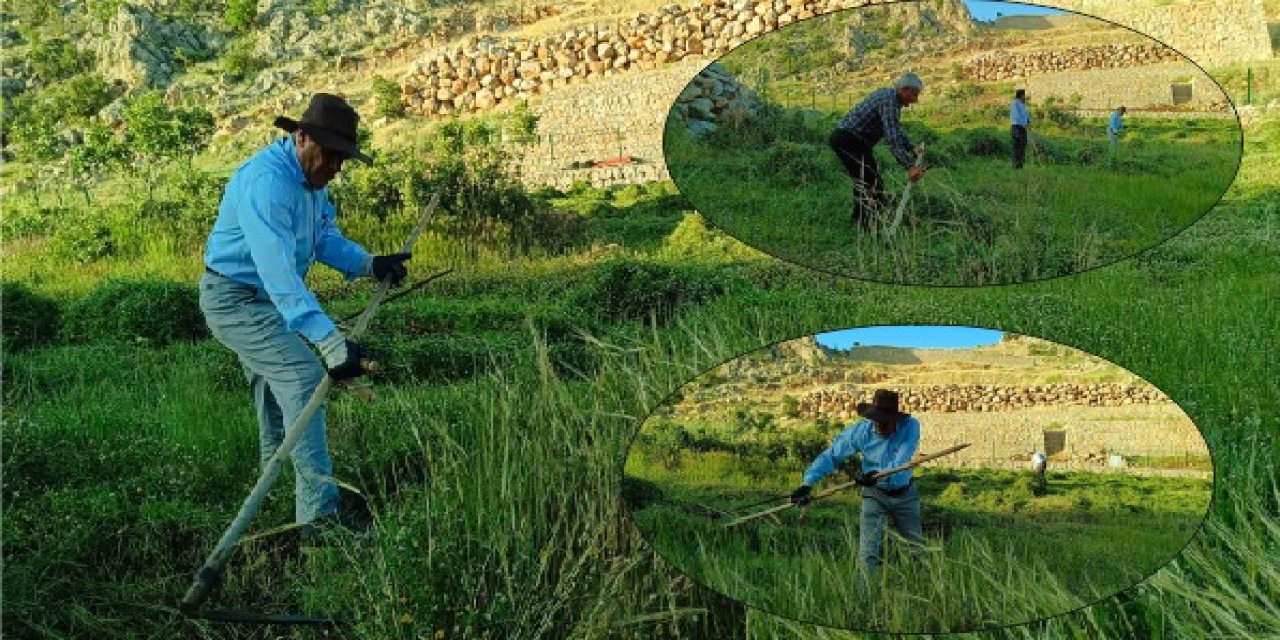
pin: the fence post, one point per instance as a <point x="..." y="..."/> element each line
<point x="1248" y="87"/>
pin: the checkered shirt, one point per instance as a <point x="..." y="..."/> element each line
<point x="876" y="118"/>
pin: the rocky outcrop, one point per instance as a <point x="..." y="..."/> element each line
<point x="141" y="49"/>
<point x="287" y="29"/>
<point x="806" y="350"/>
<point x="1003" y="65"/>
<point x="712" y="98"/>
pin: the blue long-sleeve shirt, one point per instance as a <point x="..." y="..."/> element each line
<point x="877" y="451"/>
<point x="1116" y="125"/>
<point x="876" y="118"/>
<point x="1018" y="113"/>
<point x="271" y="227"/>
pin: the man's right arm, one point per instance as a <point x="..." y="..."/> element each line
<point x="894" y="136"/>
<point x="265" y="215"/>
<point x="844" y="446"/>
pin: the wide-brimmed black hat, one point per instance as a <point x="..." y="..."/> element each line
<point x="331" y="122"/>
<point x="883" y="407"/>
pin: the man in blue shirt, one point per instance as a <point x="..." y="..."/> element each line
<point x="1115" y="126"/>
<point x="275" y="220"/>
<point x="873" y="119"/>
<point x="1019" y="119"/>
<point x="886" y="438"/>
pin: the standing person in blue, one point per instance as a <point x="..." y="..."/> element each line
<point x="872" y="120"/>
<point x="1115" y="127"/>
<point x="886" y="438"/>
<point x="274" y="222"/>
<point x="1019" y="120"/>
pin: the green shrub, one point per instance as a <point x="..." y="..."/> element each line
<point x="523" y="124"/>
<point x="20" y="221"/>
<point x="556" y="231"/>
<point x="57" y="59"/>
<point x="1061" y="113"/>
<point x="79" y="97"/>
<point x="239" y="60"/>
<point x="240" y="14"/>
<point x="796" y="164"/>
<point x="984" y="142"/>
<point x="387" y="93"/>
<point x="29" y="319"/>
<point x="136" y="311"/>
<point x="623" y="289"/>
<point x="84" y="237"/>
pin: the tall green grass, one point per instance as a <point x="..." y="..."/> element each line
<point x="990" y="539"/>
<point x="973" y="220"/>
<point x="497" y="494"/>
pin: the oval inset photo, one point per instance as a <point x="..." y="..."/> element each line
<point x="952" y="143"/>
<point x="918" y="479"/>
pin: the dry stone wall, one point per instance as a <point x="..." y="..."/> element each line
<point x="713" y="98"/>
<point x="485" y="71"/>
<point x="662" y="51"/>
<point x="1211" y="33"/>
<point x="839" y="403"/>
<point x="603" y="134"/>
<point x="1003" y="65"/>
<point x="1148" y="87"/>
<point x="1089" y="436"/>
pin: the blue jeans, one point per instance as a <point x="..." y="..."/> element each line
<point x="877" y="507"/>
<point x="283" y="372"/>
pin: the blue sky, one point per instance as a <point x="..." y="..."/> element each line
<point x="983" y="10"/>
<point x="918" y="337"/>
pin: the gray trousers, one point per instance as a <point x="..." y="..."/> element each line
<point x="282" y="372"/>
<point x="878" y="507"/>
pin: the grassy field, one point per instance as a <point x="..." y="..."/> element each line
<point x="973" y="220"/>
<point x="999" y="552"/>
<point x="775" y="184"/>
<point x="493" y="458"/>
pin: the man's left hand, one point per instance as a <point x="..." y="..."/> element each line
<point x="391" y="265"/>
<point x="865" y="479"/>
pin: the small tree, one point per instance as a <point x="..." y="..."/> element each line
<point x="388" y="94"/>
<point x="240" y="14"/>
<point x="56" y="59"/>
<point x="156" y="132"/>
<point x="100" y="152"/>
<point x="79" y="97"/>
<point x="35" y="138"/>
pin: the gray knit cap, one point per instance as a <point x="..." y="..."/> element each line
<point x="909" y="80"/>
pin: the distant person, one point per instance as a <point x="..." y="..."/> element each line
<point x="886" y="438"/>
<point x="1019" y="119"/>
<point x="275" y="220"/>
<point x="1115" y="128"/>
<point x="1038" y="465"/>
<point x="873" y="119"/>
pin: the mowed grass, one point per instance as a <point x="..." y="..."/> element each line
<point x="973" y="220"/>
<point x="998" y="553"/>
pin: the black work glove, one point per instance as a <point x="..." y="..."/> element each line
<point x="351" y="366"/>
<point x="865" y="479"/>
<point x="391" y="265"/>
<point x="802" y="496"/>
